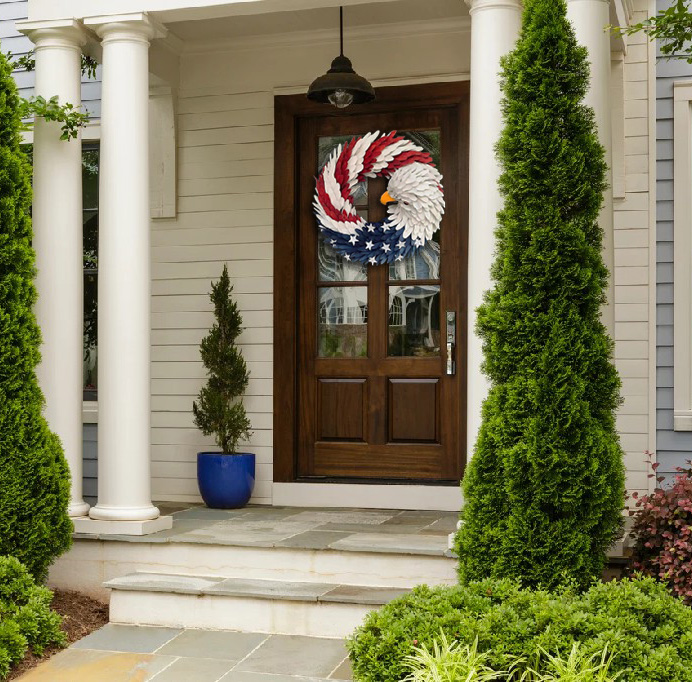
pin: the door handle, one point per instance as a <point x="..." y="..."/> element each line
<point x="451" y="342"/>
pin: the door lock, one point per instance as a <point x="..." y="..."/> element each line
<point x="451" y="342"/>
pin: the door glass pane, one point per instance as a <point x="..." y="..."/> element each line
<point x="425" y="262"/>
<point x="414" y="321"/>
<point x="342" y="314"/>
<point x="334" y="268"/>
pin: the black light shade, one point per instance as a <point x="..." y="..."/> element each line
<point x="341" y="85"/>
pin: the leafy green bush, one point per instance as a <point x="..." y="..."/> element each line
<point x="26" y="620"/>
<point x="662" y="532"/>
<point x="34" y="477"/>
<point x="648" y="631"/>
<point x="544" y="491"/>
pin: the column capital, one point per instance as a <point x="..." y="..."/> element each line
<point x="66" y="33"/>
<point x="134" y="27"/>
<point x="480" y="5"/>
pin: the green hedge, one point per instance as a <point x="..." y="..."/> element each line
<point x="649" y="631"/>
<point x="34" y="477"/>
<point x="544" y="491"/>
<point x="26" y="620"/>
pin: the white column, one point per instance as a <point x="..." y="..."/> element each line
<point x="124" y="486"/>
<point x="590" y="19"/>
<point x="57" y="220"/>
<point x="495" y="26"/>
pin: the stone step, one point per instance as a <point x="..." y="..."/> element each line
<point x="361" y="561"/>
<point x="317" y="609"/>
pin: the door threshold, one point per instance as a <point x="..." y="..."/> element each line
<point x="415" y="497"/>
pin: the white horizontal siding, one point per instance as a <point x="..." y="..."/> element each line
<point x="225" y="215"/>
<point x="632" y="276"/>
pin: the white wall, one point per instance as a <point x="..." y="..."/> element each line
<point x="225" y="199"/>
<point x="634" y="269"/>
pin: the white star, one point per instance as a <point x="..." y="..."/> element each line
<point x="368" y="245"/>
<point x="347" y="256"/>
<point x="400" y="244"/>
<point x="399" y="257"/>
<point x="385" y="248"/>
<point x="372" y="261"/>
<point x="332" y="241"/>
<point x="371" y="228"/>
<point x="385" y="228"/>
<point x="353" y="239"/>
<point x="418" y="242"/>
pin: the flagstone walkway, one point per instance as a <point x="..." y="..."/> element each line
<point x="125" y="653"/>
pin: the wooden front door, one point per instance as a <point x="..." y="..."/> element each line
<point x="379" y="364"/>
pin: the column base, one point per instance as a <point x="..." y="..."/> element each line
<point x="78" y="509"/>
<point x="89" y="526"/>
<point x="105" y="512"/>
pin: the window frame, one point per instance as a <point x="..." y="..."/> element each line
<point x="682" y="258"/>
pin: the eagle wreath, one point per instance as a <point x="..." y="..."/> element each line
<point x="414" y="198"/>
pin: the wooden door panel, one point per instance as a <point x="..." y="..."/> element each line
<point x="367" y="356"/>
<point x="341" y="409"/>
<point x="413" y="410"/>
<point x="356" y="460"/>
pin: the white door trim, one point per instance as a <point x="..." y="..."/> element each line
<point x="419" y="497"/>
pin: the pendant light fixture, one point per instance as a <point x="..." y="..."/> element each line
<point x="341" y="85"/>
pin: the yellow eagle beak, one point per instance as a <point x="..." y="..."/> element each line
<point x="386" y="198"/>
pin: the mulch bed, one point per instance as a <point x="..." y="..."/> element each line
<point x="81" y="615"/>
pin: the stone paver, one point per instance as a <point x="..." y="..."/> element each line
<point x="195" y="670"/>
<point x="363" y="594"/>
<point x="79" y="665"/>
<point x="116" y="653"/>
<point x="313" y="539"/>
<point x="295" y="655"/>
<point x="127" y="638"/>
<point x="219" y="644"/>
<point x="180" y="584"/>
<point x="247" y="587"/>
<point x="400" y="544"/>
<point x="410" y="532"/>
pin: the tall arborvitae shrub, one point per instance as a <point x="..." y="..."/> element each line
<point x="219" y="410"/>
<point x="544" y="490"/>
<point x="34" y="477"/>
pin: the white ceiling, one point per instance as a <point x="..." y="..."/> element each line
<point x="317" y="19"/>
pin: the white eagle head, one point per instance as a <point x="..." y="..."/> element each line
<point x="415" y="201"/>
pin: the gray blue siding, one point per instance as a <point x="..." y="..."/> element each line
<point x="674" y="447"/>
<point x="16" y="43"/>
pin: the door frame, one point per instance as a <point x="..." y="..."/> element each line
<point x="288" y="110"/>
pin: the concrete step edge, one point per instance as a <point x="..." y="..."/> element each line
<point x="219" y="586"/>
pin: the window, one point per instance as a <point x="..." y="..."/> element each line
<point x="90" y="213"/>
<point x="682" y="235"/>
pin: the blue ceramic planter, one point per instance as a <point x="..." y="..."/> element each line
<point x="225" y="481"/>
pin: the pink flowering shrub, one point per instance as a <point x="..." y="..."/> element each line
<point x="663" y="534"/>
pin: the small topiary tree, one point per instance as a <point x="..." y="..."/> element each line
<point x="544" y="491"/>
<point x="219" y="409"/>
<point x="34" y="477"/>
